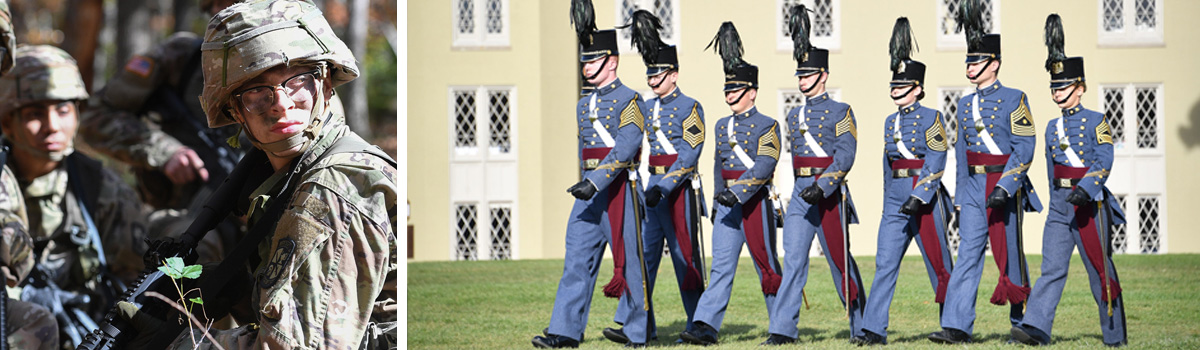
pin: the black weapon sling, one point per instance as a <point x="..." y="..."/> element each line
<point x="211" y="284"/>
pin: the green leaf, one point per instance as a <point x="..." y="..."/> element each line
<point x="173" y="267"/>
<point x="197" y="301"/>
<point x="192" y="271"/>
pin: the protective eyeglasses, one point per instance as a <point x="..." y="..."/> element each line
<point x="259" y="99"/>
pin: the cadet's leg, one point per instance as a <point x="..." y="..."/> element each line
<point x="834" y="243"/>
<point x="1112" y="327"/>
<point x="727" y="240"/>
<point x="656" y="227"/>
<point x="31" y="326"/>
<point x="798" y="231"/>
<point x="959" y="310"/>
<point x="892" y="242"/>
<point x="689" y="296"/>
<point x="584" y="252"/>
<point x="1058" y="240"/>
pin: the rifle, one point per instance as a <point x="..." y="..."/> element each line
<point x="115" y="330"/>
<point x="69" y="308"/>
<point x="219" y="157"/>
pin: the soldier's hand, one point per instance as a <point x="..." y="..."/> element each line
<point x="147" y="326"/>
<point x="998" y="198"/>
<point x="812" y="194"/>
<point x="911" y="206"/>
<point x="726" y="198"/>
<point x="583" y="190"/>
<point x="653" y="196"/>
<point x="184" y="167"/>
<point x="1078" y="196"/>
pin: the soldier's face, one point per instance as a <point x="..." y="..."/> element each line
<point x="665" y="82"/>
<point x="982" y="71"/>
<point x="607" y="68"/>
<point x="740" y="100"/>
<point x="284" y="114"/>
<point x="43" y="129"/>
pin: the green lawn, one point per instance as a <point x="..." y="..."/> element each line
<point x="503" y="304"/>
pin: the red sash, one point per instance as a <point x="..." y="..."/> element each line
<point x="928" y="231"/>
<point x="831" y="225"/>
<point x="1006" y="290"/>
<point x="752" y="227"/>
<point x="616" y="220"/>
<point x="1085" y="219"/>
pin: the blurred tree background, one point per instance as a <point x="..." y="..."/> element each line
<point x="103" y="34"/>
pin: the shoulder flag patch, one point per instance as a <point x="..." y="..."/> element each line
<point x="1103" y="133"/>
<point x="140" y="65"/>
<point x="935" y="136"/>
<point x="768" y="144"/>
<point x="847" y="125"/>
<point x="693" y="128"/>
<point x="632" y="115"/>
<point x="1022" y="121"/>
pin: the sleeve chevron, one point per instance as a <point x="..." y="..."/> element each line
<point x="632" y="114"/>
<point x="768" y="144"/>
<point x="847" y="125"/>
<point x="1022" y="120"/>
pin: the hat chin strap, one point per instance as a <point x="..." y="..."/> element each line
<point x="53" y="156"/>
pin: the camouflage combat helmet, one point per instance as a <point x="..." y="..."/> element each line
<point x="8" y="41"/>
<point x="251" y="37"/>
<point x="41" y="73"/>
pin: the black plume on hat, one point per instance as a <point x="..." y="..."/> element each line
<point x="729" y="46"/>
<point x="902" y="44"/>
<point x="970" y="20"/>
<point x="801" y="27"/>
<point x="584" y="19"/>
<point x="1054" y="41"/>
<point x="645" y="27"/>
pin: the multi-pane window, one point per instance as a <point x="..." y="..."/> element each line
<point x="1130" y="23"/>
<point x="1129" y="101"/>
<point x="501" y="229"/>
<point x="1148" y="220"/>
<point x="465" y="232"/>
<point x="949" y="35"/>
<point x="667" y="12"/>
<point x="482" y="113"/>
<point x="948" y="105"/>
<point x="480" y="23"/>
<point x="824" y="16"/>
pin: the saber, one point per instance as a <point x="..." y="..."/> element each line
<point x="1104" y="258"/>
<point x="846" y="250"/>
<point x="698" y="227"/>
<point x="1021" y="247"/>
<point x="637" y="215"/>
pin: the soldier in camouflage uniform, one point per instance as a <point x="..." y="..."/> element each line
<point x="37" y="329"/>
<point x="148" y="116"/>
<point x="86" y="224"/>
<point x="327" y="276"/>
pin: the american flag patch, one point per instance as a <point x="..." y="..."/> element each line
<point x="140" y="65"/>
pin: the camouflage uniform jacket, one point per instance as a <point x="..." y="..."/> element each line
<point x="16" y="247"/>
<point x="54" y="212"/>
<point x="330" y="266"/>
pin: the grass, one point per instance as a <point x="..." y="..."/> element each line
<point x="503" y="304"/>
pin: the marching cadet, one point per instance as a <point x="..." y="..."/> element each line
<point x="28" y="325"/>
<point x="606" y="209"/>
<point x="747" y="151"/>
<point x="673" y="196"/>
<point x="915" y="204"/>
<point x="993" y="152"/>
<point x="1079" y="157"/>
<point x="824" y="140"/>
<point x="87" y="225"/>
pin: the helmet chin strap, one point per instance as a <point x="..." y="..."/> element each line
<point x="906" y="93"/>
<point x="981" y="70"/>
<point x="1064" y="100"/>
<point x="304" y="138"/>
<point x="811" y="87"/>
<point x="53" y="156"/>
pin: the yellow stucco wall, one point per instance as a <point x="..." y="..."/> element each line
<point x="540" y="62"/>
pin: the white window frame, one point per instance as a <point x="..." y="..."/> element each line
<point x="1131" y="152"/>
<point x="1130" y="35"/>
<point x="833" y="42"/>
<point x="958" y="41"/>
<point x="622" y="19"/>
<point x="480" y="38"/>
<point x="483" y="153"/>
